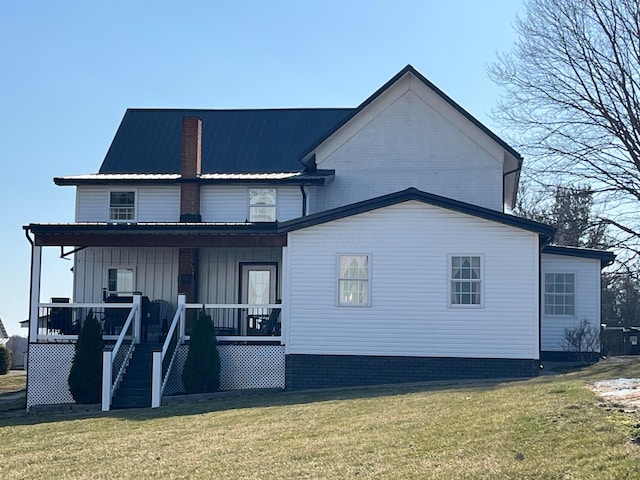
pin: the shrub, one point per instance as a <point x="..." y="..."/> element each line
<point x="201" y="373"/>
<point x="583" y="339"/>
<point x="85" y="378"/>
<point x="5" y="360"/>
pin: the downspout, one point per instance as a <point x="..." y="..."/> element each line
<point x="304" y="201"/>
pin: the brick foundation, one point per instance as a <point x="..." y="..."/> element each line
<point x="325" y="371"/>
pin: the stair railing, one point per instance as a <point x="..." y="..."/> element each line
<point x="162" y="361"/>
<point x="115" y="362"/>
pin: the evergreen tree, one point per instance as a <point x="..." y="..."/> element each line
<point x="201" y="373"/>
<point x="5" y="360"/>
<point x="85" y="378"/>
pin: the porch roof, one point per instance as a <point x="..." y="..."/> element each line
<point x="319" y="177"/>
<point x="178" y="234"/>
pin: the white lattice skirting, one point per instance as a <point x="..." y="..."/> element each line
<point x="242" y="366"/>
<point x="49" y="367"/>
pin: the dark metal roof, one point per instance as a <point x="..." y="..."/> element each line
<point x="605" y="257"/>
<point x="233" y="141"/>
<point x="545" y="231"/>
<point x="318" y="177"/>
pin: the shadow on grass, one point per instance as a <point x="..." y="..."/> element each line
<point x="629" y="367"/>
<point x="256" y="399"/>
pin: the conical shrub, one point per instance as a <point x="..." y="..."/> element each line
<point x="201" y="373"/>
<point x="85" y="378"/>
<point x="5" y="360"/>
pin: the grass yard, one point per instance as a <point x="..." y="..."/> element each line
<point x="550" y="427"/>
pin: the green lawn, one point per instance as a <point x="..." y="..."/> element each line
<point x="551" y="427"/>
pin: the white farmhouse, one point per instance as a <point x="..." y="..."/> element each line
<point x="331" y="247"/>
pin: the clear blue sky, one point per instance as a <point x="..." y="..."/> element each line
<point x="70" y="69"/>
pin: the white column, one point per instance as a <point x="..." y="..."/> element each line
<point x="137" y="322"/>
<point x="182" y="300"/>
<point x="106" y="381"/>
<point x="34" y="297"/>
<point x="156" y="379"/>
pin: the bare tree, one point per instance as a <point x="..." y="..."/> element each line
<point x="572" y="101"/>
<point x="569" y="209"/>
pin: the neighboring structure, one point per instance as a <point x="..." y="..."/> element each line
<point x="3" y="332"/>
<point x="331" y="247"/>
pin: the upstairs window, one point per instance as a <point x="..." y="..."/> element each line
<point x="122" y="206"/>
<point x="353" y="280"/>
<point x="466" y="280"/>
<point x="262" y="205"/>
<point x="559" y="294"/>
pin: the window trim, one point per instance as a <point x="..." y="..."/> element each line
<point x="544" y="295"/>
<point x="368" y="280"/>
<point x="274" y="206"/>
<point x="136" y="200"/>
<point x="119" y="267"/>
<point x="450" y="281"/>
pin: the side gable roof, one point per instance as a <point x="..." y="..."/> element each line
<point x="546" y="232"/>
<point x="233" y="141"/>
<point x="306" y="156"/>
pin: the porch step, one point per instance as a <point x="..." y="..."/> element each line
<point x="135" y="388"/>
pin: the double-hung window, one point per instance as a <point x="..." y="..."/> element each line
<point x="559" y="294"/>
<point x="465" y="280"/>
<point x="122" y="206"/>
<point x="353" y="280"/>
<point x="262" y="205"/>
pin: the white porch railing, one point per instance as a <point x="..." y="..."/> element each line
<point x="242" y="323"/>
<point x="114" y="363"/>
<point x="162" y="361"/>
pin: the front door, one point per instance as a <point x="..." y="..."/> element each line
<point x="257" y="287"/>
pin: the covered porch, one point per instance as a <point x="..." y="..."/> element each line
<point x="145" y="284"/>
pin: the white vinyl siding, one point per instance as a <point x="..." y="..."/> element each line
<point x="220" y="203"/>
<point x="409" y="143"/>
<point x="586" y="275"/>
<point x="153" y="203"/>
<point x="410" y="244"/>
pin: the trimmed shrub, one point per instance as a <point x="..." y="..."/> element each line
<point x="85" y="378"/>
<point x="201" y="373"/>
<point x="5" y="360"/>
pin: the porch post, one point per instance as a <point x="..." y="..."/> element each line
<point x="106" y="380"/>
<point x="137" y="322"/>
<point x="34" y="295"/>
<point x="156" y="379"/>
<point x="182" y="300"/>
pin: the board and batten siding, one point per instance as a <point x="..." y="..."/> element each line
<point x="219" y="272"/>
<point x="408" y="144"/>
<point x="410" y="244"/>
<point x="154" y="203"/>
<point x="231" y="203"/>
<point x="587" y="279"/>
<point x="155" y="272"/>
